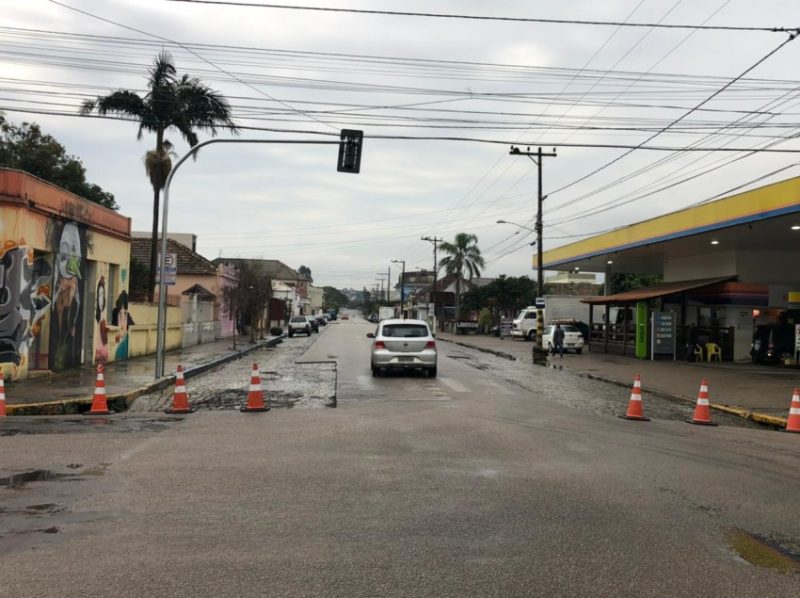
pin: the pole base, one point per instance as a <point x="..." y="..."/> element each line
<point x="246" y="409"/>
<point x="700" y="423"/>
<point x="634" y="418"/>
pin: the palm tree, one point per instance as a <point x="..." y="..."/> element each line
<point x="464" y="255"/>
<point x="182" y="103"/>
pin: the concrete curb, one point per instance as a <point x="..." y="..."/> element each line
<point x="491" y="351"/>
<point x="122" y="401"/>
<point x="761" y="418"/>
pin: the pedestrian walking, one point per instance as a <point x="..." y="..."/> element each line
<point x="558" y="341"/>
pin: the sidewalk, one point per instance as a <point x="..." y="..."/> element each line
<point x="761" y="393"/>
<point x="71" y="391"/>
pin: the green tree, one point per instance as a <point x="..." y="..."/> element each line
<point x="506" y="293"/>
<point x="25" y="147"/>
<point x="627" y="282"/>
<point x="171" y="102"/>
<point x="305" y="271"/>
<point x="333" y="298"/>
<point x="462" y="256"/>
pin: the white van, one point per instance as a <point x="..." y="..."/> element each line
<point x="524" y="325"/>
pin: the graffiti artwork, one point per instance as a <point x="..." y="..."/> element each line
<point x="66" y="323"/>
<point x="121" y="318"/>
<point x="101" y="341"/>
<point x="24" y="300"/>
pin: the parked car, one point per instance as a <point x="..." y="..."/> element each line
<point x="772" y="342"/>
<point x="403" y="345"/>
<point x="299" y="325"/>
<point x="314" y="325"/>
<point x="573" y="339"/>
<point x="582" y="327"/>
<point x="321" y="320"/>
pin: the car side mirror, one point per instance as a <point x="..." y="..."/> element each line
<point x="370" y="335"/>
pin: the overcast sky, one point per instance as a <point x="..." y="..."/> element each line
<point x="516" y="82"/>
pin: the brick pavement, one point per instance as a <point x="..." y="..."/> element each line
<point x="754" y="389"/>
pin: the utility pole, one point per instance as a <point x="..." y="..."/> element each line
<point x="538" y="160"/>
<point x="435" y="241"/>
<point x="402" y="288"/>
<point x="388" y="275"/>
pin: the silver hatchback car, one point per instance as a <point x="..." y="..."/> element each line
<point x="403" y="345"/>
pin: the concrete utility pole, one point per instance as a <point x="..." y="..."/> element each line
<point x="515" y="151"/>
<point x="435" y="241"/>
<point x="402" y="288"/>
<point x="388" y="275"/>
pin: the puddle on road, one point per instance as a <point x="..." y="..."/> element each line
<point x="18" y="480"/>
<point x="780" y="554"/>
<point x="75" y="425"/>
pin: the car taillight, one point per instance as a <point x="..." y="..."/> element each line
<point x="430" y="345"/>
<point x="380" y="345"/>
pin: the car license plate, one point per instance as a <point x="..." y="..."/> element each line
<point x="405" y="359"/>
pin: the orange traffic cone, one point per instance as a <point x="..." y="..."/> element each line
<point x="180" y="400"/>
<point x="255" y="396"/>
<point x="792" y="424"/>
<point x="99" y="403"/>
<point x="702" y="412"/>
<point x="635" y="410"/>
<point x="2" y="396"/>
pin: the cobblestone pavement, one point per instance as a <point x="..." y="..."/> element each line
<point x="567" y="388"/>
<point x="285" y="383"/>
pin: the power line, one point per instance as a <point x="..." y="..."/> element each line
<point x="153" y="35"/>
<point x="677" y="120"/>
<point x="491" y="18"/>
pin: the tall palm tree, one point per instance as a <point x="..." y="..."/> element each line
<point x="182" y="103"/>
<point x="463" y="255"/>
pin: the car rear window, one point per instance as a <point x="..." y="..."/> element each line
<point x="570" y="329"/>
<point x="298" y="319"/>
<point x="405" y="330"/>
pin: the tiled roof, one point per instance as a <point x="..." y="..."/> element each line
<point x="275" y="269"/>
<point x="189" y="262"/>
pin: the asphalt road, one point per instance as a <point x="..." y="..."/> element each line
<point x="462" y="485"/>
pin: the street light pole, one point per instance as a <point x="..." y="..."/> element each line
<point x="161" y="327"/>
<point x="402" y="288"/>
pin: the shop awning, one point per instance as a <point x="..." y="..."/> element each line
<point x="658" y="290"/>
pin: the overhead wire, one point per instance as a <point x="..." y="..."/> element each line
<point x="487" y="17"/>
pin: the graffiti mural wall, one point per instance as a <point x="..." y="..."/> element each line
<point x="66" y="321"/>
<point x="63" y="269"/>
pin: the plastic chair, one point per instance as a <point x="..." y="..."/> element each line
<point x="698" y="353"/>
<point x="713" y="350"/>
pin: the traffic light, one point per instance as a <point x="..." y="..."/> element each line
<point x="350" y="151"/>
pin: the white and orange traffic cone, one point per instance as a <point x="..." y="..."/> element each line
<point x="99" y="402"/>
<point x="793" y="423"/>
<point x="702" y="412"/>
<point x="635" y="410"/>
<point x="255" y="396"/>
<point x="2" y="396"/>
<point x="180" y="398"/>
